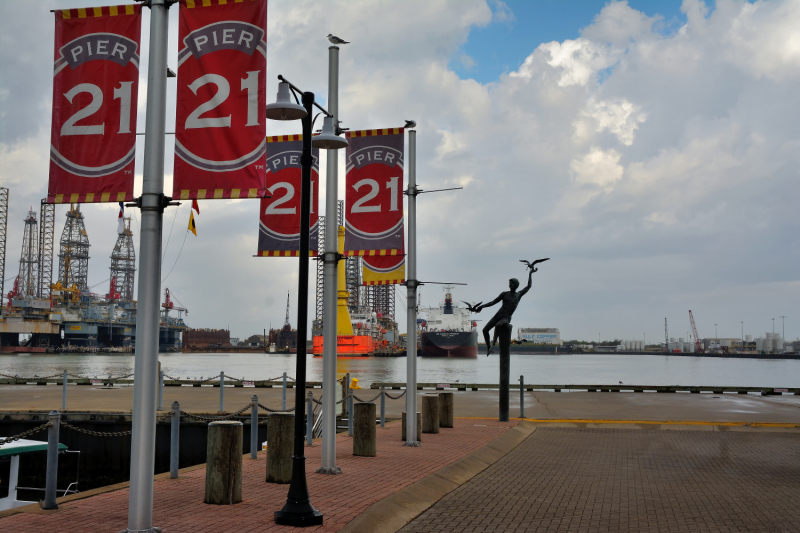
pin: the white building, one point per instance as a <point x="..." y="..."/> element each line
<point x="539" y="335"/>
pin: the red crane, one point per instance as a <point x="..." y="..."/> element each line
<point x="698" y="347"/>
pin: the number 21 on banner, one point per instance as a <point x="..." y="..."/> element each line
<point x="374" y="189"/>
<point x="249" y="84"/>
<point x="121" y="93"/>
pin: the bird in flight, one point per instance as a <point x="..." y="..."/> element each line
<point x="335" y="40"/>
<point x="532" y="266"/>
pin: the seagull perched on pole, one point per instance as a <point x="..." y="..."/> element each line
<point x="335" y="40"/>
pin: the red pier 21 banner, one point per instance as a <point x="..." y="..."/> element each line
<point x="279" y="227"/>
<point x="95" y="88"/>
<point x="220" y="128"/>
<point x="374" y="197"/>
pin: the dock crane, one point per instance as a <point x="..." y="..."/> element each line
<point x="697" y="346"/>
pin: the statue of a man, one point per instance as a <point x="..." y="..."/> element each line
<point x="510" y="301"/>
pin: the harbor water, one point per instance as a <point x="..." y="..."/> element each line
<point x="562" y="369"/>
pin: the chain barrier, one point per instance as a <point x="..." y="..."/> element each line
<point x="395" y="397"/>
<point x="367" y="401"/>
<point x="24" y="434"/>
<point x="264" y="407"/>
<point x="96" y="433"/>
<point x="126" y="376"/>
<point x="164" y="418"/>
<point x="217" y="418"/>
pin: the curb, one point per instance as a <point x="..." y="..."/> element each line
<point x="393" y="512"/>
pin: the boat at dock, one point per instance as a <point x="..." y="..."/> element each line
<point x="447" y="330"/>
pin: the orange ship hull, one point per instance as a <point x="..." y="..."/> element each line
<point x="348" y="345"/>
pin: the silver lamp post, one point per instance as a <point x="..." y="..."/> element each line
<point x="298" y="510"/>
<point x="411" y="295"/>
<point x="330" y="260"/>
<point x="152" y="204"/>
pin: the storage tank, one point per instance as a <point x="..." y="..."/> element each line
<point x="748" y="338"/>
<point x="672" y="339"/>
<point x="688" y="347"/>
<point x="627" y="346"/>
<point x="777" y="343"/>
<point x="641" y="345"/>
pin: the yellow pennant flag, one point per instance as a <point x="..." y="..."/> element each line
<point x="192" y="227"/>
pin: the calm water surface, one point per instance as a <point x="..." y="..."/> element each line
<point x="539" y="369"/>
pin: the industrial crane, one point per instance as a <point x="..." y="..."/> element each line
<point x="697" y="346"/>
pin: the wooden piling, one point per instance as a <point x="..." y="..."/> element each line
<point x="365" y="433"/>
<point x="446" y="409"/>
<point x="280" y="443"/>
<point x="430" y="413"/>
<point x="224" y="463"/>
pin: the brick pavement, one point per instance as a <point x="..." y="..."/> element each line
<point x="569" y="479"/>
<point x="179" y="503"/>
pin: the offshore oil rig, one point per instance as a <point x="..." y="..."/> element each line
<point x="65" y="316"/>
<point x="365" y="313"/>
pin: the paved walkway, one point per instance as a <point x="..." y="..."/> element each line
<point x="540" y="405"/>
<point x="179" y="503"/>
<point x="593" y="480"/>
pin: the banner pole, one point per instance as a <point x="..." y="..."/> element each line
<point x="330" y="273"/>
<point x="143" y="438"/>
<point x="411" y="296"/>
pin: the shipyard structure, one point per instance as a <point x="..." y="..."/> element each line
<point x="365" y="319"/>
<point x="42" y="314"/>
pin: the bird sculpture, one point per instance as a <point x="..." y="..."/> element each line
<point x="411" y="124"/>
<point x="336" y="40"/>
<point x="472" y="308"/>
<point x="532" y="266"/>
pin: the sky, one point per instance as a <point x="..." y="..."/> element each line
<point x="649" y="148"/>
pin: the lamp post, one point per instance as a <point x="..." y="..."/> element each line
<point x="783" y="332"/>
<point x="298" y="510"/>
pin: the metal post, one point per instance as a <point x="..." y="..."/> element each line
<point x="521" y="397"/>
<point x="298" y="510"/>
<point x="64" y="391"/>
<point x="329" y="285"/>
<point x="411" y="296"/>
<point x="383" y="408"/>
<point x="350" y="413"/>
<point x="345" y="393"/>
<point x="174" y="440"/>
<point x="51" y="480"/>
<point x="283" y="401"/>
<point x="222" y="392"/>
<point x="254" y="427"/>
<point x="148" y="316"/>
<point x="161" y="390"/>
<point x="309" y="418"/>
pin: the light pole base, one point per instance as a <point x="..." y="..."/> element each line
<point x="283" y="518"/>
<point x="329" y="470"/>
<point x="151" y="530"/>
<point x="412" y="443"/>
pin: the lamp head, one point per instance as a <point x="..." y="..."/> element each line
<point x="284" y="108"/>
<point x="328" y="140"/>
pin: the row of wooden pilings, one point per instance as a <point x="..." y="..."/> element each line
<point x="224" y="451"/>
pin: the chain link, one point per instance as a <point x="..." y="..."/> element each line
<point x="367" y="401"/>
<point x="26" y="433"/>
<point x="95" y="433"/>
<point x="217" y="418"/>
<point x="264" y="407"/>
<point x="395" y="397"/>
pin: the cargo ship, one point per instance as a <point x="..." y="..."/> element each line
<point x="447" y="330"/>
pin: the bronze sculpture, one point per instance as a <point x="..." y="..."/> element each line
<point x="501" y="322"/>
<point x="510" y="301"/>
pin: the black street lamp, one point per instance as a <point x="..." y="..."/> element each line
<point x="298" y="510"/>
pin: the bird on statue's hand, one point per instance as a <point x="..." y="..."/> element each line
<point x="472" y="308"/>
<point x="532" y="266"/>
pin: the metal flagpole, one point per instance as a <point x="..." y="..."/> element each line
<point x="331" y="265"/>
<point x="152" y="203"/>
<point x="411" y="298"/>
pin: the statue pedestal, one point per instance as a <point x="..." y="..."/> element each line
<point x="504" y="339"/>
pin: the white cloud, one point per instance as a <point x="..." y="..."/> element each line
<point x="646" y="165"/>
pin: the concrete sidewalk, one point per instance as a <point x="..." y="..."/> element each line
<point x="539" y="405"/>
<point x="630" y="480"/>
